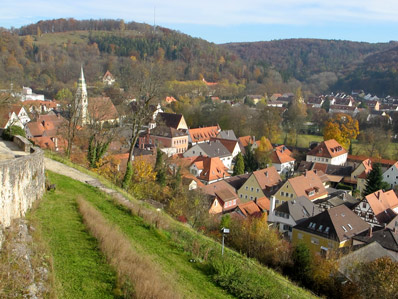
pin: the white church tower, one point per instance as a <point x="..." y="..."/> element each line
<point x="81" y="100"/>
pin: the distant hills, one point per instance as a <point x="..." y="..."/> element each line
<point x="47" y="55"/>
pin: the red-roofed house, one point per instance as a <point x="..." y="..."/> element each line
<point x="209" y="170"/>
<point x="360" y="173"/>
<point x="13" y="115"/>
<point x="200" y="135"/>
<point x="378" y="208"/>
<point x="328" y="152"/>
<point x="108" y="78"/>
<point x="282" y="160"/>
<point x="101" y="110"/>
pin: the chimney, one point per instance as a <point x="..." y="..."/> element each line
<point x="370" y="231"/>
<point x="272" y="204"/>
<point x="266" y="173"/>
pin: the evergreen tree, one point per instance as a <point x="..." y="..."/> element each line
<point x="96" y="150"/>
<point x="159" y="168"/>
<point x="350" y="149"/>
<point x="239" y="165"/>
<point x="374" y="180"/>
<point x="250" y="160"/>
<point x="302" y="263"/>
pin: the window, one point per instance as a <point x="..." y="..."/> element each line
<point x="300" y="236"/>
<point x="286" y="227"/>
<point x="388" y="175"/>
<point x="247" y="188"/>
<point x="364" y="205"/>
<point x="344" y="228"/>
<point x="287" y="194"/>
<point x="291" y="195"/>
<point x="251" y="197"/>
<point x="245" y="196"/>
<point x="314" y="241"/>
<point x="349" y="225"/>
<point x="327" y="160"/>
<point x="241" y="196"/>
<point x="258" y="190"/>
<point x="282" y="193"/>
<point x="215" y="203"/>
<point x="251" y="189"/>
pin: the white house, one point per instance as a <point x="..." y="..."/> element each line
<point x="282" y="160"/>
<point x="391" y="175"/>
<point x="27" y="94"/>
<point x="211" y="149"/>
<point x="328" y="152"/>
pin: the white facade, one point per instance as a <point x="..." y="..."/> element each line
<point x="284" y="168"/>
<point x="27" y="94"/>
<point x="339" y="160"/>
<point x="391" y="176"/>
<point x="81" y="100"/>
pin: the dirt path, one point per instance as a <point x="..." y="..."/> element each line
<point x="75" y="174"/>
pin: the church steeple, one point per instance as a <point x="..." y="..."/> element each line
<point x="81" y="99"/>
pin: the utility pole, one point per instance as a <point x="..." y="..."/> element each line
<point x="224" y="231"/>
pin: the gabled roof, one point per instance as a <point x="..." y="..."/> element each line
<point x="163" y="131"/>
<point x="229" y="144"/>
<point x="385" y="237"/>
<point x="338" y="197"/>
<point x="383" y="162"/>
<point x="250" y="209"/>
<point x="299" y="208"/>
<point x="203" y="134"/>
<point x="263" y="203"/>
<point x="338" y="223"/>
<point x="211" y="189"/>
<point x="246" y="140"/>
<point x="107" y="74"/>
<point x="267" y="177"/>
<point x="382" y="204"/>
<point x="172" y="120"/>
<point x="328" y="149"/>
<point x="213" y="149"/>
<point x="309" y="185"/>
<point x="227" y="134"/>
<point x="213" y="169"/>
<point x="280" y="157"/>
<point x="101" y="109"/>
<point x="237" y="181"/>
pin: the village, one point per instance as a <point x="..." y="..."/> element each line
<point x="321" y="195"/>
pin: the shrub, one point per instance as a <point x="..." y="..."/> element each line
<point x="11" y="131"/>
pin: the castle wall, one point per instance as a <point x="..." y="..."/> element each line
<point x="22" y="181"/>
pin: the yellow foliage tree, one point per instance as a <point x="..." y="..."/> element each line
<point x="343" y="128"/>
<point x="143" y="171"/>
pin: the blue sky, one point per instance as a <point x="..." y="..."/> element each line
<point x="228" y="21"/>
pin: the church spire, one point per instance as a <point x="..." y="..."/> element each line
<point x="81" y="99"/>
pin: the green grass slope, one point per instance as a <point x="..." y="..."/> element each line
<point x="76" y="256"/>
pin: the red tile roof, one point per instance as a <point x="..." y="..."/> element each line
<point x="213" y="169"/>
<point x="267" y="177"/>
<point x="328" y="149"/>
<point x="102" y="109"/>
<point x="204" y="134"/>
<point x="309" y="185"/>
<point x="382" y="204"/>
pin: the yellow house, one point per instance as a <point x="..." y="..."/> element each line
<point x="261" y="183"/>
<point x="331" y="229"/>
<point x="309" y="185"/>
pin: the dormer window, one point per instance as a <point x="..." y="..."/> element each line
<point x="344" y="228"/>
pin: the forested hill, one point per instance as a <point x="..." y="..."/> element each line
<point x="47" y="56"/>
<point x="325" y="61"/>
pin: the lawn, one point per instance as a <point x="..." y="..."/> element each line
<point x="80" y="270"/>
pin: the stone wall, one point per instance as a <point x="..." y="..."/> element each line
<point x="22" y="181"/>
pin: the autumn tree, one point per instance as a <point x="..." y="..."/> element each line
<point x="160" y="168"/>
<point x="263" y="153"/>
<point x="239" y="167"/>
<point x="296" y="113"/>
<point x="375" y="141"/>
<point x="147" y="80"/>
<point x="378" y="278"/>
<point x="269" y="123"/>
<point x="374" y="180"/>
<point x="343" y="128"/>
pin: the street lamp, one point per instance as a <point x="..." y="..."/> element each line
<point x="224" y="231"/>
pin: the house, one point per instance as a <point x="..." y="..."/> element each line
<point x="391" y="175"/>
<point x="309" y="185"/>
<point x="354" y="160"/>
<point x="360" y="253"/>
<point x="290" y="213"/>
<point x="13" y="115"/>
<point x="376" y="116"/>
<point x="315" y="102"/>
<point x="253" y="208"/>
<point x="101" y="110"/>
<point x="351" y="110"/>
<point x="27" y="94"/>
<point x="231" y="145"/>
<point x="360" y="174"/>
<point x="263" y="182"/>
<point x="227" y="134"/>
<point x="211" y="149"/>
<point x="169" y="140"/>
<point x="386" y="237"/>
<point x="223" y="197"/>
<point x="209" y="169"/>
<point x="336" y="197"/>
<point x="282" y="160"/>
<point x="331" y="229"/>
<point x="40" y="107"/>
<point x="373" y="105"/>
<point x="244" y="141"/>
<point x="328" y="152"/>
<point x="172" y="120"/>
<point x="200" y="135"/>
<point x="378" y="208"/>
<point x="335" y="173"/>
<point x="108" y="78"/>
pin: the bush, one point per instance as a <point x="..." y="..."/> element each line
<point x="344" y="187"/>
<point x="11" y="131"/>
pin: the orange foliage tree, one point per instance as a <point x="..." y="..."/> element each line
<point x="343" y="128"/>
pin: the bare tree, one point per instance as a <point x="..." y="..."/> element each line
<point x="146" y="84"/>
